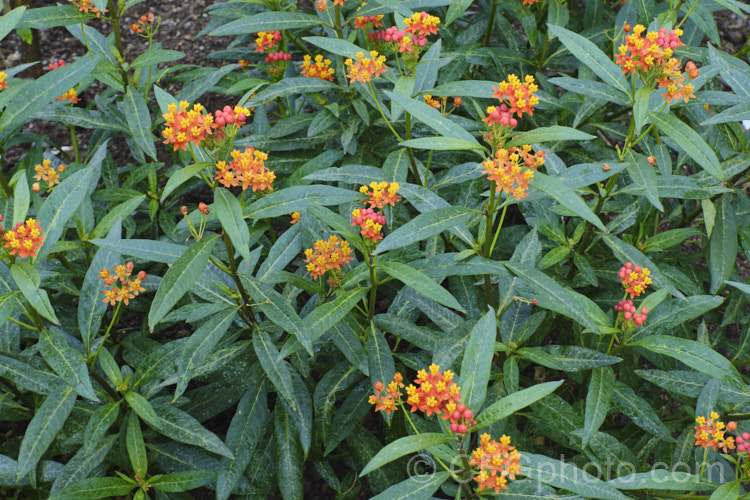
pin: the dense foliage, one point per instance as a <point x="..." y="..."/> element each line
<point x="432" y="249"/>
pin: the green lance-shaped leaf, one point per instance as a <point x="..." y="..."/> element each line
<point x="153" y="57"/>
<point x="99" y="422"/>
<point x="554" y="133"/>
<point x="60" y="207"/>
<point x="597" y="90"/>
<point x="243" y="436"/>
<point x="9" y="21"/>
<point x="147" y="250"/>
<point x="94" y="488"/>
<point x="553" y="296"/>
<point x="723" y="244"/>
<point x="736" y="113"/>
<point x="596" y="60"/>
<point x="180" y="426"/>
<point x="67" y="363"/>
<point x="727" y="491"/>
<point x="28" y="281"/>
<point x="229" y="212"/>
<point x="425" y="225"/>
<point x="91" y="307"/>
<point x="143" y="408"/>
<point x="414" y="488"/>
<point x="689" y="140"/>
<point x="440" y="143"/>
<point x="565" y="197"/>
<point x="639" y="411"/>
<point x="404" y="446"/>
<point x="139" y="121"/>
<point x="121" y="211"/>
<point x="432" y="118"/>
<point x="183" y="175"/>
<point x="379" y="358"/>
<point x="200" y="345"/>
<point x="278" y="310"/>
<point x="268" y="21"/>
<point x="335" y="46"/>
<point x="181" y="481"/>
<point x="598" y="398"/>
<point x="421" y="283"/>
<point x="569" y="358"/>
<point x="27" y="377"/>
<point x="477" y="361"/>
<point x="37" y="95"/>
<point x="512" y="403"/>
<point x="286" y="201"/>
<point x="695" y="355"/>
<point x="644" y="174"/>
<point x="288" y="456"/>
<point x="567" y="476"/>
<point x="179" y="278"/>
<point x="662" y="479"/>
<point x="291" y="86"/>
<point x="21" y="200"/>
<point x="277" y="370"/>
<point x="47" y="422"/>
<point x="135" y="445"/>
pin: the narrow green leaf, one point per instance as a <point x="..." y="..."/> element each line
<point x="197" y="347"/>
<point x="566" y="197"/>
<point x="421" y="283"/>
<point x="662" y="479"/>
<point x="139" y="121"/>
<point x="288" y="457"/>
<point x="477" y="361"/>
<point x="349" y="415"/>
<point x="99" y="422"/>
<point x="416" y="487"/>
<point x="28" y="281"/>
<point x="674" y="312"/>
<point x="180" y="177"/>
<point x="277" y="370"/>
<point x="567" y="476"/>
<point x="549" y="134"/>
<point x="44" y="426"/>
<point x="135" y="445"/>
<point x="689" y="140"/>
<point x="94" y="488"/>
<point x="598" y="399"/>
<point x="181" y="481"/>
<point x="229" y="212"/>
<point x="291" y="86"/>
<point x="153" y="57"/>
<point x="143" y="408"/>
<point x="727" y="491"/>
<point x="432" y="118"/>
<point x="180" y="426"/>
<point x="68" y="363"/>
<point x="425" y="225"/>
<point x="590" y="55"/>
<point x="597" y="90"/>
<point x="441" y="143"/>
<point x="404" y="446"/>
<point x="639" y="411"/>
<point x="10" y="20"/>
<point x="121" y="211"/>
<point x="27" y="377"/>
<point x="286" y="201"/>
<point x="21" y="200"/>
<point x="644" y="174"/>
<point x="723" y="244"/>
<point x="268" y="21"/>
<point x="736" y="113"/>
<point x="179" y="278"/>
<point x="569" y="358"/>
<point x="379" y="357"/>
<point x="335" y="46"/>
<point x="695" y="355"/>
<point x="510" y="404"/>
<point x="60" y="206"/>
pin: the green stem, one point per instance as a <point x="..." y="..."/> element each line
<point x="414" y="169"/>
<point x="497" y="232"/>
<point x="247" y="313"/>
<point x="337" y="24"/>
<point x="25" y="325"/>
<point x="83" y="34"/>
<point x="105" y="385"/>
<point x="112" y="322"/>
<point x="3" y="181"/>
<point x="74" y="142"/>
<point x="377" y="104"/>
<point x="686" y="15"/>
<point x="372" y="263"/>
<point x="26" y="401"/>
<point x="490" y="23"/>
<point x="488" y="242"/>
<point x="115" y="13"/>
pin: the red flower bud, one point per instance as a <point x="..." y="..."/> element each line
<point x="462" y="429"/>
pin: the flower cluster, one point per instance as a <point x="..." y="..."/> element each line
<point x="267" y="41"/>
<point x="743" y="442"/>
<point x="71" y="95"/>
<point x="145" y="25"/>
<point x="629" y="314"/>
<point x="386" y="399"/>
<point x="128" y="288"/>
<point x="529" y="2"/>
<point x="277" y="62"/>
<point x="634" y="278"/>
<point x="321" y="68"/>
<point x="674" y="81"/>
<point x="46" y="172"/>
<point x="520" y="97"/>
<point x="24" y="239"/>
<point x="203" y="208"/>
<point x="322" y="5"/>
<point x="497" y="462"/>
<point x="380" y="194"/>
<point x="420" y="25"/>
<point x="328" y="255"/>
<point x="57" y="64"/>
<point x="462" y="419"/>
<point x="3" y="77"/>
<point x="639" y="54"/>
<point x="228" y="117"/>
<point x="362" y="22"/>
<point x="709" y="433"/>
<point x="295" y="217"/>
<point x="247" y="169"/>
<point x="87" y="6"/>
<point x="434" y="392"/>
<point x="512" y="169"/>
<point x="364" y="69"/>
<point x="185" y="125"/>
<point x="370" y="223"/>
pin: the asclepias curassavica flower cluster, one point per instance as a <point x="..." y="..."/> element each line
<point x="376" y="250"/>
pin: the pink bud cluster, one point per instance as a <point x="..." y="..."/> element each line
<point x="629" y="313"/>
<point x="743" y="442"/>
<point x="366" y="214"/>
<point x="227" y="116"/>
<point x="278" y="56"/>
<point x="56" y="64"/>
<point x="668" y="40"/>
<point x="462" y="419"/>
<point x="391" y="34"/>
<point x="502" y="115"/>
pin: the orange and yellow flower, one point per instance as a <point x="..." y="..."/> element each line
<point x="364" y="69"/>
<point x="45" y="172"/>
<point x="370" y="223"/>
<point x="87" y="6"/>
<point x="380" y="194"/>
<point x="247" y="169"/>
<point x="386" y="399"/>
<point x="709" y="433"/>
<point x="3" y="77"/>
<point x="634" y="278"/>
<point x="434" y="392"/>
<point x="512" y="169"/>
<point x="520" y="96"/>
<point x="327" y="255"/>
<point x="186" y="126"/>
<point x="128" y="289"/>
<point x="497" y="462"/>
<point x="321" y="68"/>
<point x="71" y="95"/>
<point x="267" y="41"/>
<point x="24" y="239"/>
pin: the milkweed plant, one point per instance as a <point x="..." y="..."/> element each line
<point x="386" y="249"/>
